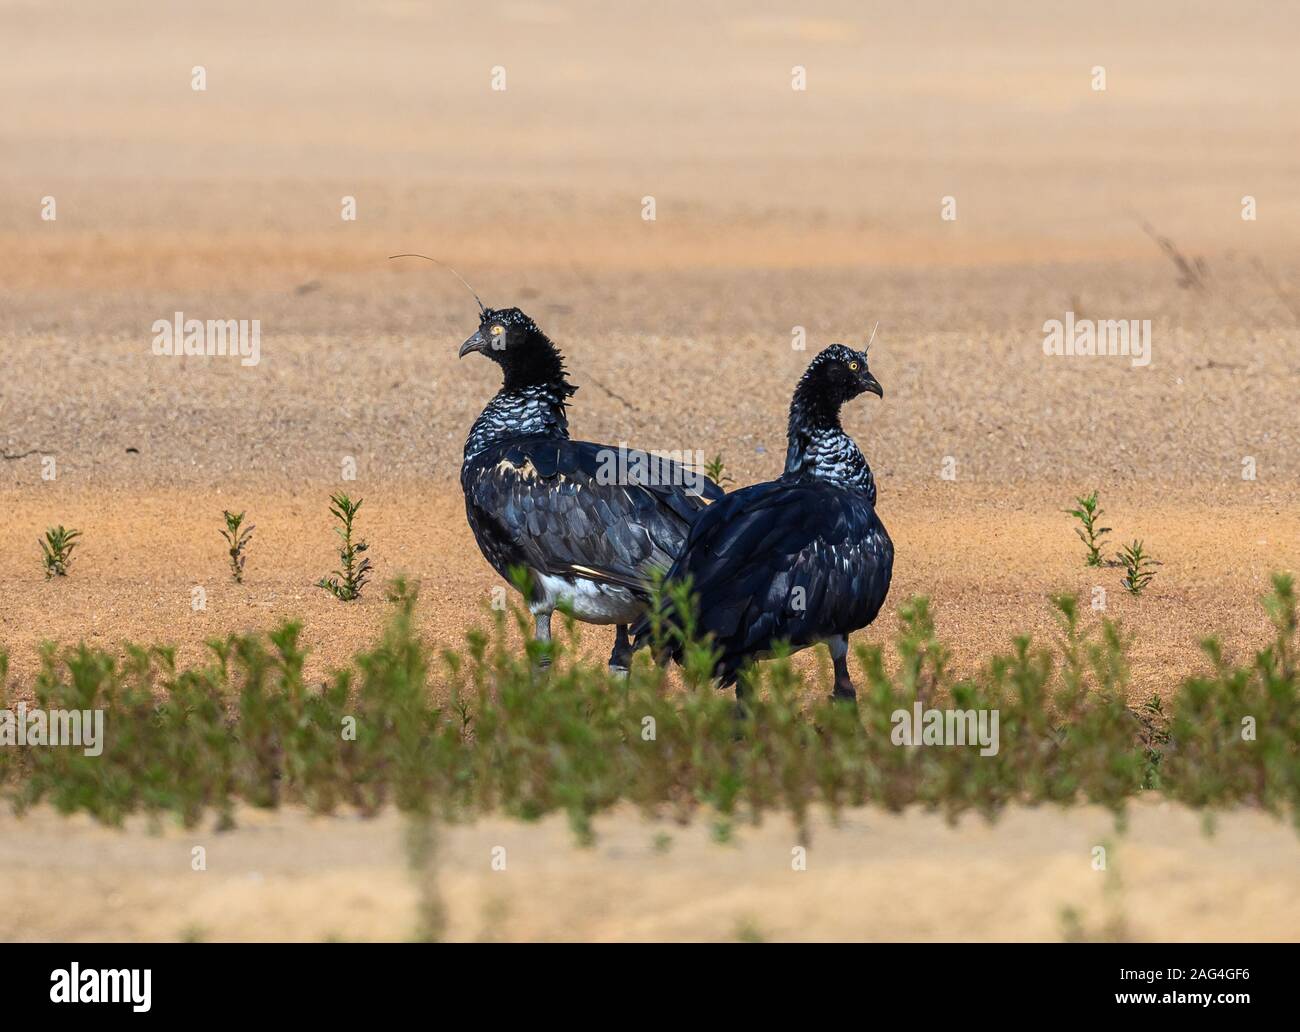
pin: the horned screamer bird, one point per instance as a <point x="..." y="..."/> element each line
<point x="588" y="522"/>
<point x="801" y="559"/>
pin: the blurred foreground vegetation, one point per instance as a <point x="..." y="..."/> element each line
<point x="247" y="728"/>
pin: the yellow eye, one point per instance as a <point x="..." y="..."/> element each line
<point x="498" y="330"/>
<point x="853" y="366"/>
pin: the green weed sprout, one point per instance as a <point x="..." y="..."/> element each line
<point x="716" y="471"/>
<point x="345" y="584"/>
<point x="237" y="539"/>
<point x="56" y="550"/>
<point x="1137" y="567"/>
<point x="1088" y="513"/>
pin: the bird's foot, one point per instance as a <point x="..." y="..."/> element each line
<point x="619" y="673"/>
<point x="620" y="659"/>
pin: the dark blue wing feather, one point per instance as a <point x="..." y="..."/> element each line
<point x="549" y="504"/>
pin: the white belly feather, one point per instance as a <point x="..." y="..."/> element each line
<point x="592" y="601"/>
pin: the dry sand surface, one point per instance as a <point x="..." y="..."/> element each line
<point x="877" y="876"/>
<point x="989" y="558"/>
<point x="775" y="209"/>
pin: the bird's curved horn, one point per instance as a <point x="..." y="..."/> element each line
<point x="481" y="307"/>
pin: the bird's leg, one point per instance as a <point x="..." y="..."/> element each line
<point x="844" y="690"/>
<point x="620" y="660"/>
<point x="542" y="633"/>
<point x="742" y="710"/>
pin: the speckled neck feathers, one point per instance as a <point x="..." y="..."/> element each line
<point x="529" y="411"/>
<point x="818" y="446"/>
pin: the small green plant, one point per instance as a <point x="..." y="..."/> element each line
<point x="716" y="471"/>
<point x="1137" y="567"/>
<point x="56" y="550"/>
<point x="1088" y="513"/>
<point x="237" y="539"/>
<point x="346" y="584"/>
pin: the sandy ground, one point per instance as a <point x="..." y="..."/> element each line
<point x="989" y="559"/>
<point x="777" y="210"/>
<point x="879" y="877"/>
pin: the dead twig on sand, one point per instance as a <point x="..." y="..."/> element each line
<point x="1191" y="271"/>
<point x="612" y="394"/>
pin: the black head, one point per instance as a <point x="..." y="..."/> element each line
<point x="513" y="341"/>
<point x="836" y="375"/>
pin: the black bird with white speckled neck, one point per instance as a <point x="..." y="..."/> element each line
<point x="801" y="559"/>
<point x="536" y="499"/>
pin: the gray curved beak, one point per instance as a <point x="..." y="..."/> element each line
<point x="872" y="386"/>
<point x="478" y="343"/>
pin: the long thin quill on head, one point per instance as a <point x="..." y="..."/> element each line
<point x="873" y="334"/>
<point x="481" y="307"/>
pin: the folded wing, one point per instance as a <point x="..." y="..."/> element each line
<point x="571" y="508"/>
<point x="792" y="561"/>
